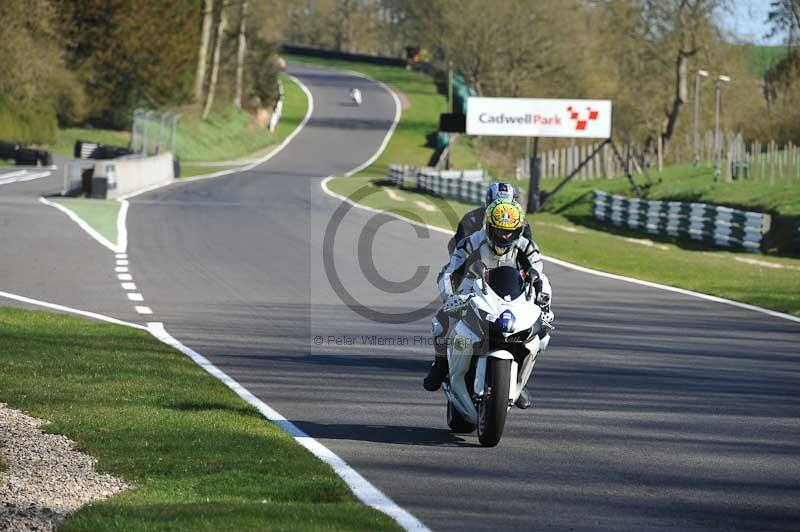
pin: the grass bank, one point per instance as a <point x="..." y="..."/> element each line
<point x="200" y="458"/>
<point x="771" y="282"/>
<point x="566" y="230"/>
<point x="226" y="135"/>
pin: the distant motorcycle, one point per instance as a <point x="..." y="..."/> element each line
<point x="355" y="96"/>
<point x="491" y="350"/>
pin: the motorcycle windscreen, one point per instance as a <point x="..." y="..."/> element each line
<point x="506" y="282"/>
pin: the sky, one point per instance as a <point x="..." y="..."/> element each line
<point x="746" y="20"/>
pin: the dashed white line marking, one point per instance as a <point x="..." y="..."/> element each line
<point x="128" y="286"/>
<point x="122" y="262"/>
<point x="135" y="296"/>
<point x="121" y="269"/>
<point x="143" y="310"/>
<point x="122" y="255"/>
<point x="125" y="277"/>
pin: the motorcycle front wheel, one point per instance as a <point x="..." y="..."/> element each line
<point x="493" y="408"/>
<point x="458" y="424"/>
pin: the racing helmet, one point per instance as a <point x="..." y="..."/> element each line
<point x="499" y="190"/>
<point x="504" y="222"/>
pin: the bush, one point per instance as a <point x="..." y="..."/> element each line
<point x="27" y="125"/>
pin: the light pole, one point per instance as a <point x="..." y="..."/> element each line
<point x="720" y="79"/>
<point x="696" y="137"/>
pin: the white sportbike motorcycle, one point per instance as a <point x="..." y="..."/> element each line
<point x="491" y="349"/>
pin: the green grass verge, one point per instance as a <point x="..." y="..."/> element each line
<point x="421" y="105"/>
<point x="681" y="183"/>
<point x="772" y="282"/>
<point x="226" y="135"/>
<point x="101" y="215"/>
<point x="68" y="136"/>
<point x="199" y="457"/>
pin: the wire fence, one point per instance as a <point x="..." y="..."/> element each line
<point x="767" y="162"/>
<point x="153" y="132"/>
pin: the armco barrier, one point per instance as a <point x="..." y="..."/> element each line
<point x="796" y="236"/>
<point x="345" y="56"/>
<point x="721" y="226"/>
<point x="92" y="150"/>
<point x="118" y="177"/>
<point x="468" y="186"/>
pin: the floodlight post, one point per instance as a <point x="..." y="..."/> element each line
<point x="696" y="136"/>
<point x="719" y="80"/>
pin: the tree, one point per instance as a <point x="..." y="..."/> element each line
<point x="212" y="86"/>
<point x="131" y="53"/>
<point x="202" y="59"/>
<point x="237" y="97"/>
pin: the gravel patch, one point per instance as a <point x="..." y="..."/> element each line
<point x="45" y="479"/>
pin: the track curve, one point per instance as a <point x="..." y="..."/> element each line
<point x="652" y="410"/>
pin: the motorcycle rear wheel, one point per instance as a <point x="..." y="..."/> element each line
<point x="493" y="408"/>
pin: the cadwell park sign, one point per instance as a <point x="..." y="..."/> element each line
<point x="539" y="117"/>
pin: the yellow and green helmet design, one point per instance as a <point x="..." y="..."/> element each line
<point x="504" y="222"/>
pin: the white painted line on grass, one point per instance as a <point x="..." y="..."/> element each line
<point x="774" y="313"/>
<point x="645" y="242"/>
<point x="135" y="296"/>
<point x="361" y="487"/>
<point x="121" y="269"/>
<point x="125" y="277"/>
<point x="83" y="225"/>
<point x="424" y="205"/>
<point x="71" y="310"/>
<point x="394" y="195"/>
<point x="143" y="310"/>
<point x="128" y="286"/>
<point x="765" y="264"/>
<point x="122" y="262"/>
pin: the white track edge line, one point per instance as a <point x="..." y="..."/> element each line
<point x="247" y="167"/>
<point x="71" y="310"/>
<point x="362" y="488"/>
<point x="22" y="177"/>
<point x="707" y="297"/>
<point x="83" y="225"/>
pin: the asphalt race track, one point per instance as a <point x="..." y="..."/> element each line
<point x="652" y="410"/>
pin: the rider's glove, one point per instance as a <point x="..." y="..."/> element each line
<point x="542" y="299"/>
<point x="454" y="302"/>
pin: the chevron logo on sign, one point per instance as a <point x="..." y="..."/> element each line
<point x="580" y="123"/>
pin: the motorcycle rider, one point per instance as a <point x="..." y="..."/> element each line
<point x="499" y="243"/>
<point x="473" y="220"/>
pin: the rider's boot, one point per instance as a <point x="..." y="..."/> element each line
<point x="436" y="375"/>
<point x="439" y="368"/>
<point x="524" y="400"/>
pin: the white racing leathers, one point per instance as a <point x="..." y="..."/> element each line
<point x="476" y="249"/>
